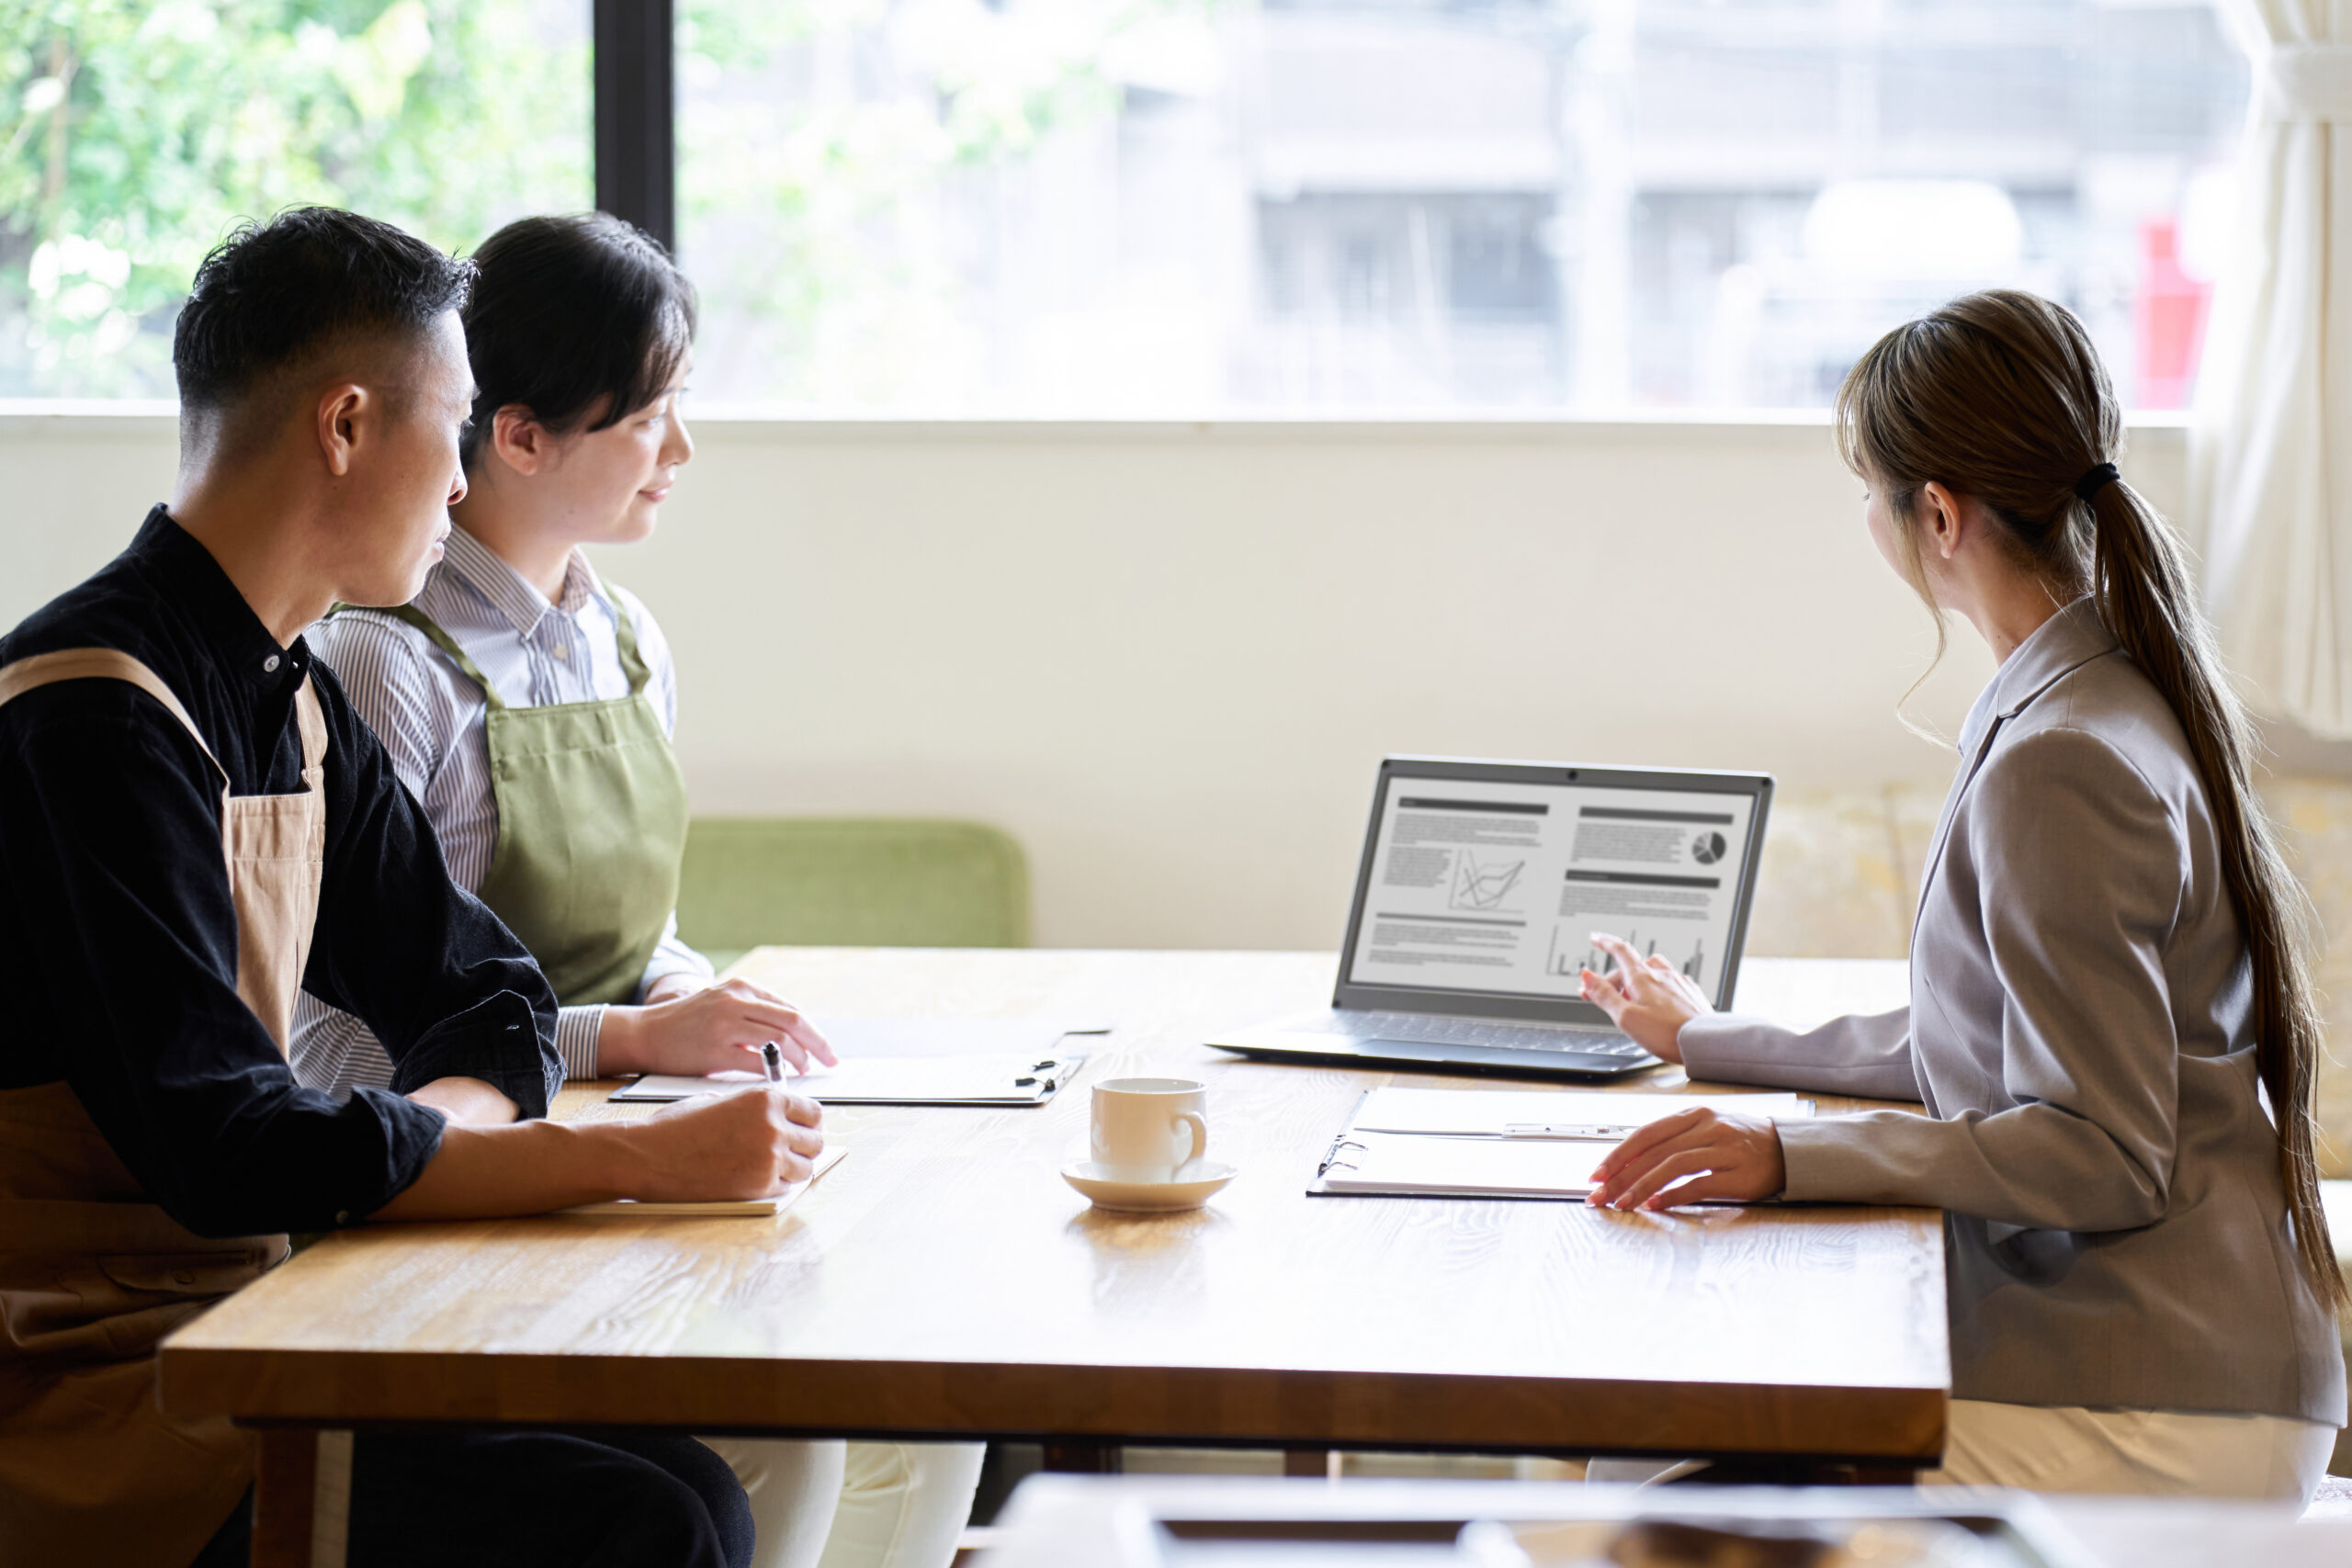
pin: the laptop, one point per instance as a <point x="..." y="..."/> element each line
<point x="1480" y="888"/>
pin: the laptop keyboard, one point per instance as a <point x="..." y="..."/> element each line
<point x="1440" y="1030"/>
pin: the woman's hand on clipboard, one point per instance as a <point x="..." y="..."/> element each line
<point x="712" y="1029"/>
<point x="1718" y="1156"/>
<point x="1649" y="998"/>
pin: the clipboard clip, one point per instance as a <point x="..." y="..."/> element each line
<point x="1029" y="1079"/>
<point x="1571" y="1131"/>
<point x="1332" y="1156"/>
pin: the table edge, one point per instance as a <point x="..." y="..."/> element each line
<point x="1219" y="1405"/>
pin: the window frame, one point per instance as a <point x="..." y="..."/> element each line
<point x="633" y="114"/>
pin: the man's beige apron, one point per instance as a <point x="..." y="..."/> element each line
<point x="93" y="1274"/>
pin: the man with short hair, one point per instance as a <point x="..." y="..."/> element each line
<point x="193" y="823"/>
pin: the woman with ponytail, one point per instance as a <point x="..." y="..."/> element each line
<point x="2112" y="1030"/>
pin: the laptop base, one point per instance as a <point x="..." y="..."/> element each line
<point x="1431" y="1056"/>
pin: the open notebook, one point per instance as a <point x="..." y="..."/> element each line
<point x="1499" y="1143"/>
<point x="718" y="1207"/>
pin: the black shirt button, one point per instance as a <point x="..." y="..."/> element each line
<point x="342" y="1216"/>
<point x="269" y="665"/>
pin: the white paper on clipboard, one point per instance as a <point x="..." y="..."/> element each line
<point x="1470" y="1113"/>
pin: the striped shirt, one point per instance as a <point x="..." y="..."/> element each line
<point x="430" y="719"/>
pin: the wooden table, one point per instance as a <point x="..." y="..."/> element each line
<point x="1054" y="1521"/>
<point x="943" y="1281"/>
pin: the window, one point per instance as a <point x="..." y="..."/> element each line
<point x="1178" y="206"/>
<point x="133" y="136"/>
<point x="1155" y="207"/>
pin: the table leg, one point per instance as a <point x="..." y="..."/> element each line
<point x="285" y="1487"/>
<point x="1311" y="1461"/>
<point x="1084" y="1456"/>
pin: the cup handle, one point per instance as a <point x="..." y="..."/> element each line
<point x="1200" y="1126"/>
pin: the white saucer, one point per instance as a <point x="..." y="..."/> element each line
<point x="1148" y="1197"/>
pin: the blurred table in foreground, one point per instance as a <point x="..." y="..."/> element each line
<point x="1112" y="1522"/>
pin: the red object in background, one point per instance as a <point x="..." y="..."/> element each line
<point x="2169" y="313"/>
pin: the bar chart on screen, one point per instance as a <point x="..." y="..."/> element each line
<point x="1570" y="951"/>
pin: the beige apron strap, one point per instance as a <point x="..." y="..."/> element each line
<point x="276" y="850"/>
<point x="112" y="664"/>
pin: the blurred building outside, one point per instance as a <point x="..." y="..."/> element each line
<point x="1317" y="205"/>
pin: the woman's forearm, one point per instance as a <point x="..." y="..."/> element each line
<point x="1865" y="1055"/>
<point x="2035" y="1166"/>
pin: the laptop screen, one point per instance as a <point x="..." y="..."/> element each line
<point x="1493" y="887"/>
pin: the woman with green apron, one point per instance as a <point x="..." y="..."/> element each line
<point x="529" y="704"/>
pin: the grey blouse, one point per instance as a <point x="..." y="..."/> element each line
<point x="2080" y="1035"/>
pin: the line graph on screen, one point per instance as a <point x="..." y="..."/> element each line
<point x="1483" y="886"/>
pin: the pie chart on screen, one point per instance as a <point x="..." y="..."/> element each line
<point x="1707" y="848"/>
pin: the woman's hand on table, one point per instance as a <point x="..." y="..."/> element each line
<point x="1649" y="998"/>
<point x="1726" y="1156"/>
<point x="694" y="1030"/>
<point x="749" y="1143"/>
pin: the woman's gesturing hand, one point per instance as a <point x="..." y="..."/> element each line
<point x="1649" y="998"/>
<point x="1726" y="1156"/>
<point x="749" y="1144"/>
<point x="715" y="1029"/>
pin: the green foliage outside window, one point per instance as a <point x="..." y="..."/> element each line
<point x="833" y="156"/>
<point x="133" y="136"/>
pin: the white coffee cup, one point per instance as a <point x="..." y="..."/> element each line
<point x="1149" y="1130"/>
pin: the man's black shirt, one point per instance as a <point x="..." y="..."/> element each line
<point x="118" y="938"/>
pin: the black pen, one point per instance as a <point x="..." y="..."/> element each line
<point x="774" y="1060"/>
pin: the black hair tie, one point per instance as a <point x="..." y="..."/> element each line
<point x="2097" y="479"/>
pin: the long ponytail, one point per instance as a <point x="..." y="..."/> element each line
<point x="2000" y="396"/>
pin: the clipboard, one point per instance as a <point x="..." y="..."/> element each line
<point x="1521" y="1144"/>
<point x="1027" y="1078"/>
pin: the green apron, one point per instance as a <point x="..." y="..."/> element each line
<point x="591" y="825"/>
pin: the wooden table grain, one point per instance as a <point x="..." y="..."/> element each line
<point x="943" y="1280"/>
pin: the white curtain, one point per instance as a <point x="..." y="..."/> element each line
<point x="2271" y="464"/>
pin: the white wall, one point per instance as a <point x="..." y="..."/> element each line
<point x="1167" y="656"/>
